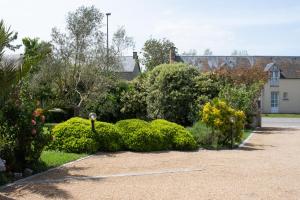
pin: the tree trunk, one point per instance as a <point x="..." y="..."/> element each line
<point x="76" y="111"/>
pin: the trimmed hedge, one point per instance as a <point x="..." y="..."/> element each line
<point x="75" y="135"/>
<point x="139" y="135"/>
<point x="108" y="137"/>
<point x="176" y="135"/>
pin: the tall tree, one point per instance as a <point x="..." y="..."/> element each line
<point x="78" y="68"/>
<point x="156" y="52"/>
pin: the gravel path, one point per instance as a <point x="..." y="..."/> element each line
<point x="268" y="167"/>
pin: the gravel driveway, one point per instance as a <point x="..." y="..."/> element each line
<point x="268" y="167"/>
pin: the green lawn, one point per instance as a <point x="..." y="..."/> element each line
<point x="281" y="115"/>
<point x="50" y="159"/>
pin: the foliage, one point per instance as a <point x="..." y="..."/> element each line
<point x="243" y="75"/>
<point x="133" y="99"/>
<point x="204" y="135"/>
<point x="6" y="38"/>
<point x="74" y="135"/>
<point x="156" y="52"/>
<point x="108" y="137"/>
<point x="35" y="52"/>
<point x="177" y="137"/>
<point x="172" y="93"/>
<point x="241" y="97"/>
<point x="24" y="131"/>
<point x="79" y="69"/>
<point x="226" y="123"/>
<point x="108" y="105"/>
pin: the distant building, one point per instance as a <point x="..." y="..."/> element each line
<point x="129" y="67"/>
<point x="281" y="94"/>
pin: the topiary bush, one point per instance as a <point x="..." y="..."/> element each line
<point x="79" y="145"/>
<point x="139" y="135"/>
<point x="177" y="136"/>
<point x="108" y="137"/>
<point x="74" y="135"/>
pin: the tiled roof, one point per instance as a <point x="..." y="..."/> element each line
<point x="288" y="65"/>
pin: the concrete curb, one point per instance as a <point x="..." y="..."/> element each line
<point x="18" y="182"/>
<point x="149" y="173"/>
<point x="247" y="139"/>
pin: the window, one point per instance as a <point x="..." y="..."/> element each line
<point x="285" y="96"/>
<point x="274" y="99"/>
<point x="274" y="76"/>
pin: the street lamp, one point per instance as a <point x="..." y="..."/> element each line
<point x="107" y="50"/>
<point x="93" y="118"/>
<point x="232" y="120"/>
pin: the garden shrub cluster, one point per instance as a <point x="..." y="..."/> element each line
<point x="225" y="122"/>
<point x="76" y="135"/>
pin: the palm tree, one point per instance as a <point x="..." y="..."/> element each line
<point x="11" y="70"/>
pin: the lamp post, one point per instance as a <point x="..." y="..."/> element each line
<point x="107" y="50"/>
<point x="93" y="118"/>
<point x="232" y="120"/>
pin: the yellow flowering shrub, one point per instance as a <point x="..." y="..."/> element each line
<point x="224" y="121"/>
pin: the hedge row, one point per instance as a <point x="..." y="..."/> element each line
<point x="75" y="135"/>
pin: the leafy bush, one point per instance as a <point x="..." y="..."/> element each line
<point x="224" y="121"/>
<point x="133" y="100"/>
<point x="172" y="93"/>
<point x="79" y="145"/>
<point x="108" y="137"/>
<point x="177" y="137"/>
<point x="21" y="127"/>
<point x="202" y="134"/>
<point x="138" y="135"/>
<point x="242" y="97"/>
<point x="108" y="105"/>
<point x="74" y="135"/>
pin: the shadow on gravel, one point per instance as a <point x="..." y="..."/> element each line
<point x="5" y="198"/>
<point x="274" y="130"/>
<point x="44" y="184"/>
<point x="255" y="147"/>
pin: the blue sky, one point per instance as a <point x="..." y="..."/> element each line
<point x="262" y="27"/>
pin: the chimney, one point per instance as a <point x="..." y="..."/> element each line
<point x="172" y="54"/>
<point x="135" y="55"/>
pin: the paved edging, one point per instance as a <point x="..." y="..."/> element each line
<point x="247" y="139"/>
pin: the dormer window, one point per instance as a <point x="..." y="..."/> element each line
<point x="274" y="75"/>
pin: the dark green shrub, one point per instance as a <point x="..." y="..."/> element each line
<point x="172" y="93"/>
<point x="139" y="135"/>
<point x="202" y="134"/>
<point x="133" y="100"/>
<point x="108" y="105"/>
<point x="108" y="137"/>
<point x="177" y="136"/>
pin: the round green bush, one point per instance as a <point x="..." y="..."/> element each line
<point x="177" y="136"/>
<point x="139" y="135"/>
<point x="172" y="93"/>
<point x="80" y="145"/>
<point x="76" y="129"/>
<point x="108" y="137"/>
